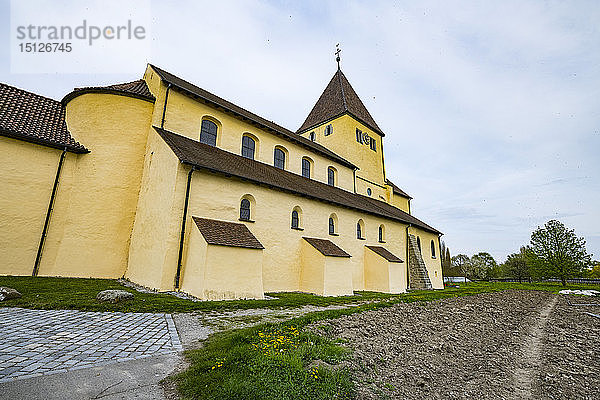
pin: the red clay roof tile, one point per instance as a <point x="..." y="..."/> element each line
<point x="326" y="247"/>
<point x="385" y="253"/>
<point x="225" y="233"/>
<point x="33" y="118"/>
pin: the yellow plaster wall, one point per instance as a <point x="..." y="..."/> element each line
<point x="382" y="275"/>
<point x="217" y="197"/>
<point x="343" y="142"/>
<point x="184" y="116"/>
<point x="233" y="273"/>
<point x="398" y="280"/>
<point x="434" y="265"/>
<point x="324" y="276"/>
<point x="337" y="279"/>
<point x="377" y="192"/>
<point x="27" y="173"/>
<point x="377" y="277"/>
<point x="400" y="202"/>
<point x="91" y="224"/>
<point x="192" y="278"/>
<point x="221" y="272"/>
<point x="155" y="85"/>
<point x="312" y="271"/>
<point x="155" y="236"/>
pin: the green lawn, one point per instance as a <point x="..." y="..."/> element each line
<point x="80" y="294"/>
<point x="269" y="361"/>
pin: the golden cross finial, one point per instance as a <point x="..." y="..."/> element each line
<point x="337" y="54"/>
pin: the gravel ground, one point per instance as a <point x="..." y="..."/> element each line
<point x="507" y="345"/>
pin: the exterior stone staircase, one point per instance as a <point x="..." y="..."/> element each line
<point x="418" y="278"/>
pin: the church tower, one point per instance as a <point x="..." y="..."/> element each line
<point x="341" y="122"/>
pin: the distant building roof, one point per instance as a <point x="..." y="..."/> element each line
<point x="33" y="118"/>
<point x="208" y="97"/>
<point x="385" y="253"/>
<point x="337" y="99"/>
<point x="326" y="247"/>
<point x="397" y="190"/>
<point x="225" y="233"/>
<point x="214" y="159"/>
<point x="138" y="89"/>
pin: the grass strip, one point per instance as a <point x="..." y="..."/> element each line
<point x="48" y="293"/>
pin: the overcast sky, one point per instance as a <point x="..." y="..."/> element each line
<point x="491" y="111"/>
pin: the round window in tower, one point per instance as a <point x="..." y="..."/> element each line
<point x="369" y="191"/>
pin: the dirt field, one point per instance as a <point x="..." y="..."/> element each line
<point x="507" y="345"/>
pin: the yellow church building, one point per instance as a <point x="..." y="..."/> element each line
<point x="175" y="188"/>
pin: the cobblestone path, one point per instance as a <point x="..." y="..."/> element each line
<point x="40" y="342"/>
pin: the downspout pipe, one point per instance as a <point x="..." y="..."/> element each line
<point x="164" y="113"/>
<point x="38" y="257"/>
<point x="183" y="220"/>
<point x="407" y="258"/>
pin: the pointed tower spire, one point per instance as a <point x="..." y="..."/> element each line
<point x="337" y="99"/>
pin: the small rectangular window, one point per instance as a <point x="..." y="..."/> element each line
<point x="359" y="138"/>
<point x="328" y="130"/>
<point x="373" y="144"/>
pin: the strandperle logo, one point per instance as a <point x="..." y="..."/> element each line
<point x="76" y="36"/>
<point x="85" y="32"/>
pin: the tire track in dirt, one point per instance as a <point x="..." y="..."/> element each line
<point x="529" y="362"/>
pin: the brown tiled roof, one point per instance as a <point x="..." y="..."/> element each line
<point x="214" y="159"/>
<point x="385" y="253"/>
<point x="225" y="233"/>
<point x="397" y="190"/>
<point x="137" y="89"/>
<point x="33" y="118"/>
<point x="210" y="98"/>
<point x="337" y="99"/>
<point x="326" y="247"/>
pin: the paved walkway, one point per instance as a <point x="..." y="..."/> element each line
<point x="39" y="342"/>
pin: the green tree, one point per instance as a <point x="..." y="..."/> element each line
<point x="447" y="258"/>
<point x="557" y="252"/>
<point x="446" y="264"/>
<point x="483" y="265"/>
<point x="593" y="272"/>
<point x="462" y="264"/>
<point x="516" y="265"/>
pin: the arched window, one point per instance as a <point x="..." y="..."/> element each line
<point x="297" y="218"/>
<point x="311" y="136"/>
<point x="306" y="167"/>
<point x="279" y="158"/>
<point x="369" y="192"/>
<point x="208" y="132"/>
<point x="333" y="222"/>
<point x="381" y="234"/>
<point x="419" y="243"/>
<point x="432" y="249"/>
<point x="248" y="147"/>
<point x="331" y="176"/>
<point x="360" y="229"/>
<point x="245" y="210"/>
